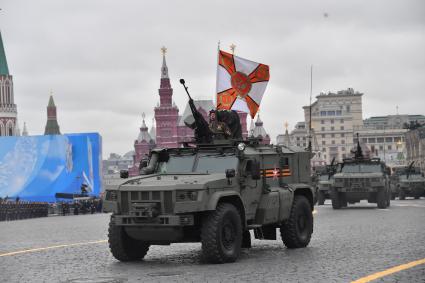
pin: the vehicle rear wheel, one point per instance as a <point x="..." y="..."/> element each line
<point x="382" y="199"/>
<point x="321" y="197"/>
<point x="336" y="201"/>
<point x="221" y="234"/>
<point x="401" y="195"/>
<point x="123" y="247"/>
<point x="296" y="231"/>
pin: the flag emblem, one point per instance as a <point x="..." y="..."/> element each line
<point x="240" y="83"/>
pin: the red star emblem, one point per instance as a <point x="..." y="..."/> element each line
<point x="275" y="173"/>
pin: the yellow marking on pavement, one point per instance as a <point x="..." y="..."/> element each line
<point x="52" y="247"/>
<point x="390" y="271"/>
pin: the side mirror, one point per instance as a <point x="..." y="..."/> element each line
<point x="124" y="174"/>
<point x="230" y="173"/>
<point x="255" y="170"/>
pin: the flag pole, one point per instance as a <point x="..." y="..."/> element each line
<point x="216" y="77"/>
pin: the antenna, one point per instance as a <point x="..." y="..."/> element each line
<point x="309" y="123"/>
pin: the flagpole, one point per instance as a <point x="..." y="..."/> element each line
<point x="216" y="77"/>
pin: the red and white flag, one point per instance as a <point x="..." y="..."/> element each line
<point x="240" y="83"/>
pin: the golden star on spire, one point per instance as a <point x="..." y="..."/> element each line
<point x="163" y="50"/>
<point x="233" y="47"/>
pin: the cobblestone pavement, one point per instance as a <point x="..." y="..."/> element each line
<point x="346" y="245"/>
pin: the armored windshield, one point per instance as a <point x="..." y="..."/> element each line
<point x="177" y="164"/>
<point x="362" y="168"/>
<point x="199" y="163"/>
<point x="208" y="163"/>
<point x="324" y="177"/>
<point x="412" y="176"/>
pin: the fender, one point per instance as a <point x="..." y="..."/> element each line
<point x="216" y="196"/>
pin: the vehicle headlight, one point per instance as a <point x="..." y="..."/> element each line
<point x="111" y="195"/>
<point x="241" y="146"/>
<point x="186" y="195"/>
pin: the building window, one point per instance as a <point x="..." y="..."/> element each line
<point x="342" y="141"/>
<point x="333" y="142"/>
<point x="332" y="128"/>
<point x="338" y="112"/>
<point x="304" y="144"/>
<point x="303" y="138"/>
<point x="364" y="140"/>
<point x="342" y="135"/>
<point x="298" y="144"/>
<point x="380" y="140"/>
<point x="342" y="120"/>
<point x="372" y="140"/>
<point x="298" y="138"/>
<point x="332" y="121"/>
<point x="322" y="113"/>
<point x="323" y="142"/>
<point x="323" y="128"/>
<point x="322" y="122"/>
<point x="342" y="148"/>
<point x="324" y="149"/>
<point x="342" y="128"/>
<point x="397" y="139"/>
<point x="388" y="139"/>
<point x="348" y="108"/>
<point x="332" y="135"/>
<point x="381" y="147"/>
<point x="390" y="147"/>
<point x="331" y="113"/>
<point x="323" y="136"/>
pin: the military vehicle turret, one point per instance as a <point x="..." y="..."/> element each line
<point x="408" y="181"/>
<point x="213" y="191"/>
<point x="361" y="178"/>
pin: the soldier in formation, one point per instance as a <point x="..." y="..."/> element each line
<point x="22" y="210"/>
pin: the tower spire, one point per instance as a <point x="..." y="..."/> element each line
<point x="4" y="70"/>
<point x="164" y="68"/>
<point x="52" y="126"/>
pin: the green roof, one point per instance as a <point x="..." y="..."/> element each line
<point x="51" y="102"/>
<point x="4" y="70"/>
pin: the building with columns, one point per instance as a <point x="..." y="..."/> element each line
<point x="333" y="118"/>
<point x="52" y="126"/>
<point x="8" y="109"/>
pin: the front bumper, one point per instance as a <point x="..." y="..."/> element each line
<point x="158" y="221"/>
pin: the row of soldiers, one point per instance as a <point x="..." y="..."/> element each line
<point x="22" y="210"/>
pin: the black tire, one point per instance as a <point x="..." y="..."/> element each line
<point x="336" y="201"/>
<point x="221" y="234"/>
<point x="123" y="247"/>
<point x="343" y="199"/>
<point x="296" y="231"/>
<point x="246" y="239"/>
<point x="392" y="196"/>
<point x="401" y="195"/>
<point x="382" y="199"/>
<point x="321" y="198"/>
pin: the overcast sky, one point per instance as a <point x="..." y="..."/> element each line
<point x="102" y="59"/>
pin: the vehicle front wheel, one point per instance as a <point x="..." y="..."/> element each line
<point x="123" y="247"/>
<point x="382" y="199"/>
<point x="296" y="231"/>
<point x="336" y="199"/>
<point x="321" y="197"/>
<point x="401" y="195"/>
<point x="221" y="234"/>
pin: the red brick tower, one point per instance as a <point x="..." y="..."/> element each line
<point x="166" y="113"/>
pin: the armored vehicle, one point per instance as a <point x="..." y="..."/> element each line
<point x="213" y="191"/>
<point x="361" y="178"/>
<point x="324" y="182"/>
<point x="407" y="181"/>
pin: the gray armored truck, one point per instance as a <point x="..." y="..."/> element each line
<point x="361" y="178"/>
<point x="214" y="194"/>
<point x="324" y="181"/>
<point x="407" y="182"/>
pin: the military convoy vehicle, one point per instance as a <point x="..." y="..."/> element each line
<point x="213" y="192"/>
<point x="407" y="181"/>
<point x="361" y="178"/>
<point x="324" y="182"/>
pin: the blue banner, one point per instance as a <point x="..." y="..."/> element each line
<point x="35" y="168"/>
